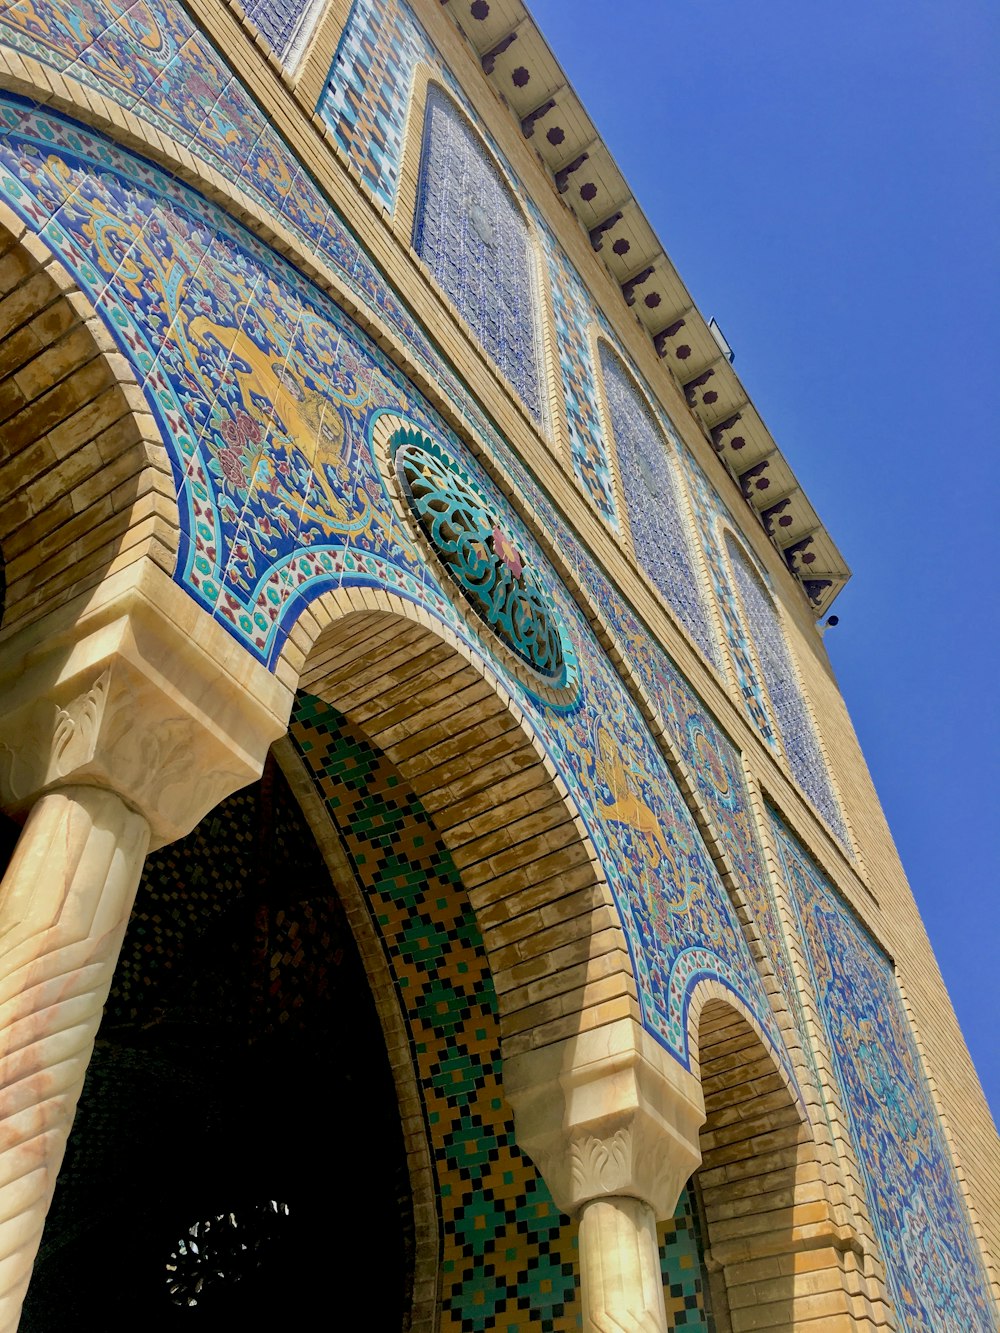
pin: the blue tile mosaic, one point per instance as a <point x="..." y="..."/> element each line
<point x="575" y="318"/>
<point x="367" y="91"/>
<point x="655" y="501"/>
<point x="805" y="758"/>
<point x="710" y="512"/>
<point x="152" y="60"/>
<point x="133" y="57"/>
<point x="475" y="240"/>
<point x="284" y="24"/>
<point x="266" y="394"/>
<point x="934" y="1269"/>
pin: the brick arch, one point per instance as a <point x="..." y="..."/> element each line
<point x="85" y="484"/>
<point x="776" y="1242"/>
<point x="549" y="923"/>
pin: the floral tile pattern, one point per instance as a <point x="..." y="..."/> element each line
<point x="934" y="1270"/>
<point x="266" y="395"/>
<point x="131" y="54"/>
<point x="711" y="758"/>
<point x="150" y="58"/>
<point x="660" y="527"/>
<point x="805" y="758"/>
<point x="474" y="238"/>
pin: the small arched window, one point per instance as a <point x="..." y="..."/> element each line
<point x="474" y="238"/>
<point x="654" y="500"/>
<point x="788" y="706"/>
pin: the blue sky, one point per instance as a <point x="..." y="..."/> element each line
<point x="826" y="180"/>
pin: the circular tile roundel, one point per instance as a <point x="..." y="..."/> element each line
<point x="484" y="553"/>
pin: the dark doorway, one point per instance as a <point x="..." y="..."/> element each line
<point x="237" y="1158"/>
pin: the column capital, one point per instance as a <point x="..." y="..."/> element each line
<point x="607" y="1113"/>
<point x="139" y="692"/>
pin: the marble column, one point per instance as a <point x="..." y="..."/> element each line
<point x="64" y="904"/>
<point x="121" y="726"/>
<point x="620" y="1266"/>
<point x="611" y="1122"/>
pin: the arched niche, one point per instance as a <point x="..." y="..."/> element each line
<point x="476" y="240"/>
<point x="789" y="708"/>
<point x="654" y="499"/>
<point x="491" y="1248"/>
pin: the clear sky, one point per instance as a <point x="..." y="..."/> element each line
<point x="826" y="179"/>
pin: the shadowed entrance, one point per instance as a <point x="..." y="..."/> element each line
<point x="237" y="1153"/>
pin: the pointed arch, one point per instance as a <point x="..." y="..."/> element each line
<point x="789" y="708"/>
<point x="478" y="243"/>
<point x="655" y="505"/>
<point x="549" y="923"/>
<point x="774" y="1238"/>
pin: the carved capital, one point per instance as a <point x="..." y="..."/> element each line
<point x="608" y="1113"/>
<point x="140" y="693"/>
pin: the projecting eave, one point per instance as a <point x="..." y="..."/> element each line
<point x="518" y="62"/>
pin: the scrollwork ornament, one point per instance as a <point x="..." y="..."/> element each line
<point x="480" y="551"/>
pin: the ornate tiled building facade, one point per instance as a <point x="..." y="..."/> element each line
<point x="411" y="742"/>
<point x="914" y="1203"/>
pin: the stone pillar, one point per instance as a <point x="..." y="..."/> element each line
<point x="611" y="1122"/>
<point x="120" y="728"/>
<point x="620" y="1266"/>
<point x="64" y="904"/>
